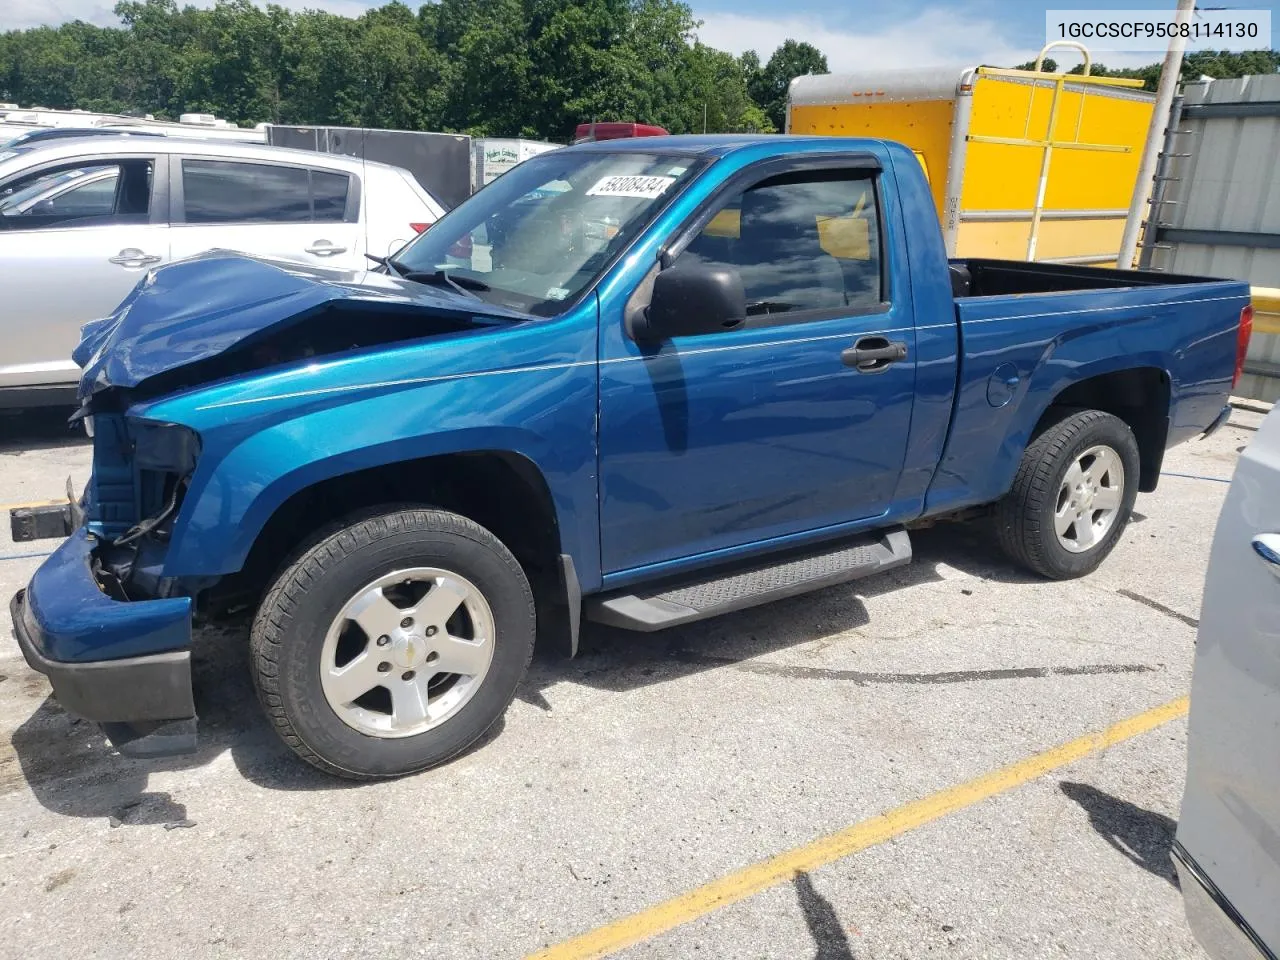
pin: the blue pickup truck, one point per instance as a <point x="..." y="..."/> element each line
<point x="639" y="383"/>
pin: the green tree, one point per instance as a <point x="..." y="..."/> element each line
<point x="155" y="53"/>
<point x="715" y="97"/>
<point x="532" y="68"/>
<point x="43" y="69"/>
<point x="233" y="64"/>
<point x="1049" y="65"/>
<point x="658" y="39"/>
<point x="322" y="73"/>
<point x="579" y="66"/>
<point x="749" y="64"/>
<point x="398" y="70"/>
<point x="768" y="87"/>
<point x="492" y="68"/>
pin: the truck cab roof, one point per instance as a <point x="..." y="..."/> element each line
<point x="721" y="144"/>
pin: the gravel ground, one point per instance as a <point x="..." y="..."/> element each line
<point x="653" y="764"/>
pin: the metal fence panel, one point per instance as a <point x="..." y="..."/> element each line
<point x="1227" y="189"/>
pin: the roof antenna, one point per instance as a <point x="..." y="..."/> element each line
<point x="364" y="188"/>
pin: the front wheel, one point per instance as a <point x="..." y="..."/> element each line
<point x="1072" y="495"/>
<point x="393" y="644"/>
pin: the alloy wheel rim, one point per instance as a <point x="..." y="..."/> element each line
<point x="1089" y="499"/>
<point x="407" y="652"/>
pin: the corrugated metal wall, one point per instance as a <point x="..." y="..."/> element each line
<point x="1225" y="218"/>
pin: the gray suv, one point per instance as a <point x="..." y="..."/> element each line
<point x="1228" y="844"/>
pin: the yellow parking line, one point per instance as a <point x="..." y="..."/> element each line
<point x="752" y="879"/>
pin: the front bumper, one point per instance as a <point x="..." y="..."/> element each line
<point x="125" y="665"/>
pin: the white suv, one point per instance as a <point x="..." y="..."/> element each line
<point x="83" y="219"/>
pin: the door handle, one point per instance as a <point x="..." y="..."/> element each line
<point x="872" y="354"/>
<point x="133" y="257"/>
<point x="1267" y="546"/>
<point x="323" y="248"/>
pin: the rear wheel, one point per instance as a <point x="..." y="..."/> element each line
<point x="1072" y="495"/>
<point x="393" y="644"/>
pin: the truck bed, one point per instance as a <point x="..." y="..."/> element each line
<point x="1028" y="331"/>
<point x="973" y="277"/>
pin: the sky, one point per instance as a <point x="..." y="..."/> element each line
<point x="854" y="34"/>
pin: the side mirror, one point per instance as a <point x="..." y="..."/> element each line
<point x="693" y="298"/>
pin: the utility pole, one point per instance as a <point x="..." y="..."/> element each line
<point x="1155" y="137"/>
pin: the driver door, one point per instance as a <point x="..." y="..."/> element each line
<point x="714" y="441"/>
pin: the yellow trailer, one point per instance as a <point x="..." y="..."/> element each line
<point x="1022" y="164"/>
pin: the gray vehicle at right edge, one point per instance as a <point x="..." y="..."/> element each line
<point x="1227" y="849"/>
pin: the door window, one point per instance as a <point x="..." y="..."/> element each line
<point x="78" y="196"/>
<point x="94" y="196"/>
<point x="330" y="193"/>
<point x="804" y="243"/>
<point x="223" y="191"/>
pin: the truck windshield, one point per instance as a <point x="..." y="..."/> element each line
<point x="539" y="235"/>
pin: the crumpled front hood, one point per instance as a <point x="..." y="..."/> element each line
<point x="196" y="309"/>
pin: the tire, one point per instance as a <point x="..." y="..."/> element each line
<point x="308" y="621"/>
<point x="1028" y="518"/>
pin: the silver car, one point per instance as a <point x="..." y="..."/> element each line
<point x="1228" y="842"/>
<point x="82" y="220"/>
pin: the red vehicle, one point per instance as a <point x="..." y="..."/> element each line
<point x="615" y="131"/>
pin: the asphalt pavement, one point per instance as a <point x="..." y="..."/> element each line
<point x="652" y="766"/>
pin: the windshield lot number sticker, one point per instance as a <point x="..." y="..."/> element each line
<point x="642" y="188"/>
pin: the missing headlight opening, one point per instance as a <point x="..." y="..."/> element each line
<point x="153" y="523"/>
<point x="164" y="457"/>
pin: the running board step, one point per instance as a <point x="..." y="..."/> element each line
<point x="705" y="594"/>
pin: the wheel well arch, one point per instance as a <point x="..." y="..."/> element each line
<point x="1140" y="396"/>
<point x="502" y="491"/>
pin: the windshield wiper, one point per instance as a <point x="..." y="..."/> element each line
<point x="394" y="267"/>
<point x="464" y="285"/>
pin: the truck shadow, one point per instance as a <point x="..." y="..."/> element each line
<point x="619" y="660"/>
<point x="71" y="769"/>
